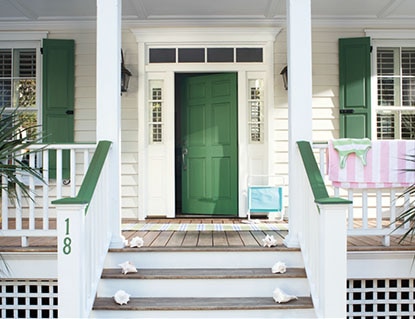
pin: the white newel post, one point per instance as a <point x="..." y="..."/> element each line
<point x="333" y="261"/>
<point x="109" y="103"/>
<point x="70" y="228"/>
<point x="299" y="105"/>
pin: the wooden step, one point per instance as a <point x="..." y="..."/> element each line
<point x="209" y="273"/>
<point x="209" y="304"/>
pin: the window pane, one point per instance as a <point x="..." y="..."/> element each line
<point x="5" y="93"/>
<point x="256" y="111"/>
<point x="385" y="126"/>
<point x="156" y="111"/>
<point x="26" y="93"/>
<point x="192" y="55"/>
<point x="386" y="61"/>
<point x="408" y="126"/>
<point x="5" y="63"/>
<point x="220" y="55"/>
<point x="408" y="91"/>
<point x="26" y="63"/>
<point x="249" y="55"/>
<point x="388" y="91"/>
<point x="408" y="62"/>
<point x="162" y="56"/>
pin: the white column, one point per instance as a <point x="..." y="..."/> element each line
<point x="109" y="101"/>
<point x="299" y="103"/>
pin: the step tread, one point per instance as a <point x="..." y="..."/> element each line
<point x="249" y="248"/>
<point x="176" y="304"/>
<point x="208" y="273"/>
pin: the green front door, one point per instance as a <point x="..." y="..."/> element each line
<point x="209" y="144"/>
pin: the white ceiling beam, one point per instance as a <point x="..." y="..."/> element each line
<point x="389" y="8"/>
<point x="23" y="9"/>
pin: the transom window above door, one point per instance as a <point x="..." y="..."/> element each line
<point x="205" y="55"/>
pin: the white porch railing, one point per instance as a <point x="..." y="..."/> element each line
<point x="323" y="239"/>
<point x="84" y="235"/>
<point x="374" y="211"/>
<point x="19" y="216"/>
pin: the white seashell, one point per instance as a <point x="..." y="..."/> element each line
<point x="279" y="267"/>
<point x="280" y="296"/>
<point x="269" y="241"/>
<point x="127" y="267"/>
<point x="121" y="297"/>
<point x="137" y="242"/>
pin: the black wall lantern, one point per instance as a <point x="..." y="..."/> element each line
<point x="284" y="74"/>
<point x="125" y="75"/>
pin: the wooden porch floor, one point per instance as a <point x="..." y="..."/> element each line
<point x="178" y="239"/>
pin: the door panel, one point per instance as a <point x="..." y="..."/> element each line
<point x="209" y="135"/>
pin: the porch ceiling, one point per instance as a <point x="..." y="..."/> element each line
<point x="374" y="11"/>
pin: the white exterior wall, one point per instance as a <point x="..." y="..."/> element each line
<point x="325" y="99"/>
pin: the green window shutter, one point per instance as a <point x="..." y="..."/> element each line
<point x="58" y="98"/>
<point x="354" y="81"/>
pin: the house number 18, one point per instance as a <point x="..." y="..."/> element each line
<point x="67" y="240"/>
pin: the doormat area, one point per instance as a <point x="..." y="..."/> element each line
<point x="203" y="227"/>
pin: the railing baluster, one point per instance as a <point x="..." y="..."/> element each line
<point x="4" y="204"/>
<point x="59" y="173"/>
<point x="32" y="194"/>
<point x="365" y="210"/>
<point x="350" y="210"/>
<point x="73" y="172"/>
<point x="86" y="160"/>
<point x="379" y="209"/>
<point x="45" y="174"/>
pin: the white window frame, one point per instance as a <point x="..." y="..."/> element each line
<point x="385" y="38"/>
<point x="28" y="40"/>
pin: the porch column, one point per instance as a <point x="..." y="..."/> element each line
<point x="108" y="109"/>
<point x="299" y="104"/>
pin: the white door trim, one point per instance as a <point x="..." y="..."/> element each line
<point x="156" y="161"/>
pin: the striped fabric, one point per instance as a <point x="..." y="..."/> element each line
<point x="204" y="227"/>
<point x="386" y="162"/>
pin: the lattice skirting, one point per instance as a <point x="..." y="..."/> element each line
<point x="204" y="227"/>
<point x="37" y="298"/>
<point x="381" y="298"/>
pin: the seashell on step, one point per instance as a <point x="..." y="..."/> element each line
<point x="269" y="241"/>
<point x="279" y="267"/>
<point x="121" y="297"/>
<point x="127" y="267"/>
<point x="137" y="242"/>
<point x="281" y="297"/>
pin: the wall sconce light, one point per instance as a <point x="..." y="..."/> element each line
<point x="284" y="74"/>
<point x="125" y="75"/>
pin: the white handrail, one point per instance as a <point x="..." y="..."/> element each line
<point x="374" y="209"/>
<point x="19" y="217"/>
<point x="84" y="236"/>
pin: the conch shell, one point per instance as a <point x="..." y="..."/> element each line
<point x="137" y="242"/>
<point x="280" y="296"/>
<point x="121" y="297"/>
<point x="279" y="267"/>
<point x="127" y="267"/>
<point x="269" y="241"/>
